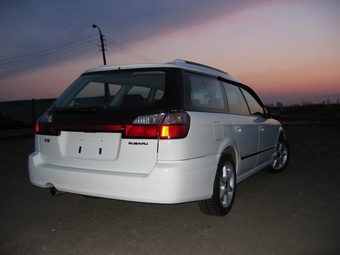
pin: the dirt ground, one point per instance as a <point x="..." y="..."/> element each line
<point x="295" y="212"/>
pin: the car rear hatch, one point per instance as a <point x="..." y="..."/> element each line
<point x="95" y="147"/>
<point x="110" y="121"/>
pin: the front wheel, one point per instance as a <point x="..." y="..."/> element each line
<point x="281" y="157"/>
<point x="223" y="191"/>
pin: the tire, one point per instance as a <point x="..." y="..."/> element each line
<point x="282" y="156"/>
<point x="224" y="189"/>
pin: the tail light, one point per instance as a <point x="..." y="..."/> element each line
<point x="172" y="125"/>
<point x="175" y="125"/>
<point x="164" y="126"/>
<point x="44" y="125"/>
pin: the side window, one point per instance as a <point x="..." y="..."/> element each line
<point x="236" y="101"/>
<point x="254" y="107"/>
<point x="203" y="93"/>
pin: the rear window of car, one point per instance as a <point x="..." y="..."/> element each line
<point x="114" y="90"/>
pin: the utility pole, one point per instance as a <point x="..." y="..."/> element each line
<point x="101" y="42"/>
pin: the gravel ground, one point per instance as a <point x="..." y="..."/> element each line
<point x="295" y="212"/>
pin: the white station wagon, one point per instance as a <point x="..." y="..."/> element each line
<point x="156" y="133"/>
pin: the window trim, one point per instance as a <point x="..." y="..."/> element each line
<point x="243" y="86"/>
<point x="250" y="91"/>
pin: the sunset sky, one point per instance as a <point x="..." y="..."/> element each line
<point x="286" y="50"/>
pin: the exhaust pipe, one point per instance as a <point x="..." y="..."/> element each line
<point x="55" y="192"/>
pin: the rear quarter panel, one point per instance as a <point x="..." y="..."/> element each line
<point x="209" y="134"/>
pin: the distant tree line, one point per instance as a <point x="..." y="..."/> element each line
<point x="304" y="103"/>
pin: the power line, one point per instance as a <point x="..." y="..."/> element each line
<point x="46" y="53"/>
<point x="52" y="48"/>
<point x="45" y="17"/>
<point x="64" y="23"/>
<point x="42" y="14"/>
<point x="128" y="51"/>
<point x="112" y="42"/>
<point x="66" y="14"/>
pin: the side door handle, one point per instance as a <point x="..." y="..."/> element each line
<point x="237" y="129"/>
<point x="261" y="128"/>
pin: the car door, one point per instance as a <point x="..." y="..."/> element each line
<point x="244" y="128"/>
<point x="266" y="128"/>
<point x="267" y="131"/>
<point x="205" y="103"/>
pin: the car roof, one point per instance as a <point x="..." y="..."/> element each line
<point x="178" y="63"/>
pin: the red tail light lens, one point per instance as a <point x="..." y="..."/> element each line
<point x="175" y="125"/>
<point x="172" y="125"/>
<point x="144" y="126"/>
<point x="142" y="131"/>
<point x="54" y="129"/>
<point x="45" y="126"/>
<point x="37" y="128"/>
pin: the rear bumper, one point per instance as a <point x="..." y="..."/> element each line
<point x="169" y="182"/>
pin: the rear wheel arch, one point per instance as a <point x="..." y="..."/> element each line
<point x="281" y="134"/>
<point x="232" y="152"/>
<point x="224" y="187"/>
<point x="281" y="157"/>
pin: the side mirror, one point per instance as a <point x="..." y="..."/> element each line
<point x="275" y="112"/>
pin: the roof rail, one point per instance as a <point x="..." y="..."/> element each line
<point x="182" y="61"/>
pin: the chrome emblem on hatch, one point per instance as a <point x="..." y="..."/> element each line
<point x="137" y="143"/>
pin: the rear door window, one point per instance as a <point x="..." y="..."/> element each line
<point x="236" y="102"/>
<point x="203" y="93"/>
<point x="254" y="107"/>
